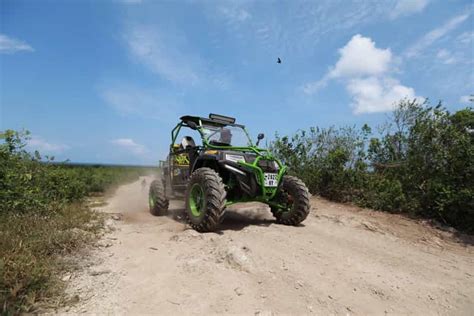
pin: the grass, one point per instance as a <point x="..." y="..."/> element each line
<point x="44" y="216"/>
<point x="33" y="249"/>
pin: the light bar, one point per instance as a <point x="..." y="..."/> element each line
<point x="222" y="118"/>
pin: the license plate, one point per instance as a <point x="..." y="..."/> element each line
<point x="270" y="179"/>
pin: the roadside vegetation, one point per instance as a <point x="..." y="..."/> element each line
<point x="420" y="162"/>
<point x="43" y="216"/>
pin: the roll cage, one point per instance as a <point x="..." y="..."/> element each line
<point x="198" y="123"/>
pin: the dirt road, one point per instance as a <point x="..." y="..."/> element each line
<point x="343" y="260"/>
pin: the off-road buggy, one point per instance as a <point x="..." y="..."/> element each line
<point x="225" y="169"/>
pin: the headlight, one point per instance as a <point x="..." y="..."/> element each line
<point x="234" y="158"/>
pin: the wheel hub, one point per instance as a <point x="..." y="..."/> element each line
<point x="151" y="202"/>
<point x="196" y="200"/>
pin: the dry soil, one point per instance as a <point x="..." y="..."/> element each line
<point x="341" y="260"/>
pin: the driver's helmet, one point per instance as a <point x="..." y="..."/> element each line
<point x="226" y="136"/>
<point x="188" y="142"/>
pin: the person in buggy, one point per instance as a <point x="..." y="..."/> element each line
<point x="226" y="136"/>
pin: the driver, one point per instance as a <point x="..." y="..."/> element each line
<point x="226" y="136"/>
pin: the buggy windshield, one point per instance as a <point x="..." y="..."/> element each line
<point x="230" y="135"/>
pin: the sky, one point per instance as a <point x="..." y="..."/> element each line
<point x="106" y="81"/>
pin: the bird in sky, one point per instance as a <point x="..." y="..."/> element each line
<point x="278" y="60"/>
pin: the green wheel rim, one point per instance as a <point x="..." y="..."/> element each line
<point x="288" y="205"/>
<point x="151" y="202"/>
<point x="196" y="200"/>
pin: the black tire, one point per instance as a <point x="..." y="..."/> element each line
<point x="157" y="199"/>
<point x="299" y="208"/>
<point x="206" y="216"/>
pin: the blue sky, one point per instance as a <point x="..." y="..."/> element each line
<point x="105" y="81"/>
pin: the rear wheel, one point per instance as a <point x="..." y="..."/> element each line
<point x="293" y="199"/>
<point x="205" y="200"/>
<point x="157" y="200"/>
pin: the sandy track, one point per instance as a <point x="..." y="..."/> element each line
<point x="343" y="260"/>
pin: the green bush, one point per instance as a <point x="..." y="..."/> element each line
<point x="29" y="183"/>
<point x="384" y="194"/>
<point x="421" y="162"/>
<point x="42" y="217"/>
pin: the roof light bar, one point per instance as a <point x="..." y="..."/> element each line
<point x="222" y="118"/>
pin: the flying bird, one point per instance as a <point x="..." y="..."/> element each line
<point x="278" y="60"/>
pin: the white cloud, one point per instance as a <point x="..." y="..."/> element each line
<point x="466" y="37"/>
<point x="446" y="57"/>
<point x="408" y="7"/>
<point x="296" y="28"/>
<point x="372" y="94"/>
<point x="360" y="57"/>
<point x="10" y="45"/>
<point x="313" y="87"/>
<point x="130" y="145"/>
<point x="466" y="99"/>
<point x="129" y="100"/>
<point x="45" y="147"/>
<point x="234" y="14"/>
<point x="131" y="1"/>
<point x="428" y="39"/>
<point x="366" y="72"/>
<point x="163" y="53"/>
<point x="168" y="54"/>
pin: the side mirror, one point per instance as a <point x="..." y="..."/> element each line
<point x="259" y="138"/>
<point x="191" y="124"/>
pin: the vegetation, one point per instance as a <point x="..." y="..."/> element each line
<point x="421" y="162"/>
<point x="42" y="217"/>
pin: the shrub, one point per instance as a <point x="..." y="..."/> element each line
<point x="421" y="162"/>
<point x="42" y="218"/>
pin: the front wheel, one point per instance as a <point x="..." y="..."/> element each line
<point x="293" y="201"/>
<point x="205" y="200"/>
